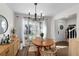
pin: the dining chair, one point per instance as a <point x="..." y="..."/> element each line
<point x="32" y="50"/>
<point x="48" y="52"/>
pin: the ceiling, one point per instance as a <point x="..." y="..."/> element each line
<point x="48" y="9"/>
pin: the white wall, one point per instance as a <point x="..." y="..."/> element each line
<point x="8" y="14"/>
<point x="52" y="27"/>
<point x="48" y="24"/>
<point x="70" y="21"/>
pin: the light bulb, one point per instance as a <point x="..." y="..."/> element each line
<point x="29" y="10"/>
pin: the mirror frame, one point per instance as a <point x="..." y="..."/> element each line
<point x="6" y="22"/>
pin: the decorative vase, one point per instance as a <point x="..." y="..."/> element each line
<point x="13" y="33"/>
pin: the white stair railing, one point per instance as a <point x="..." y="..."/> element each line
<point x="73" y="33"/>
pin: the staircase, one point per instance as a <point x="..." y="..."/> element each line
<point x="73" y="49"/>
<point x="72" y="33"/>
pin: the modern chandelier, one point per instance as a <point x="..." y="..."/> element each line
<point x="36" y="16"/>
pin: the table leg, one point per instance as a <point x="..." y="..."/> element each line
<point x="38" y="51"/>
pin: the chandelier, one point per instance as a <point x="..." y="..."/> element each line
<point x="36" y="16"/>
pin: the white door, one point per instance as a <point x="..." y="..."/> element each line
<point x="60" y="30"/>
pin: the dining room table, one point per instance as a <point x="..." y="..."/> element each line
<point x="39" y="43"/>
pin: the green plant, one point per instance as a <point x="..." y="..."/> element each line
<point x="42" y="34"/>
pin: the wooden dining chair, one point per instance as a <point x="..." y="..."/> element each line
<point x="32" y="51"/>
<point x="48" y="52"/>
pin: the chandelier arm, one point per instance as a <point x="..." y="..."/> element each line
<point x="35" y="11"/>
<point x="35" y="7"/>
<point x="35" y="15"/>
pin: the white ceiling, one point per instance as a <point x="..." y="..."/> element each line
<point x="48" y="9"/>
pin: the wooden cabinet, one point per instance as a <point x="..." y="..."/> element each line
<point x="10" y="49"/>
<point x="16" y="47"/>
<point x="5" y="53"/>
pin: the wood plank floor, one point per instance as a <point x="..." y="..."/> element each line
<point x="22" y="52"/>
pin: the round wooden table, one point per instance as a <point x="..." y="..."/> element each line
<point x="42" y="43"/>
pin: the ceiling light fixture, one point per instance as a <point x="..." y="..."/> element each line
<point x="36" y="17"/>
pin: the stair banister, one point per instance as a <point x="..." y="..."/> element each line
<point x="73" y="33"/>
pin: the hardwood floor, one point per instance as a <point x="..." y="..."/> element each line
<point x="22" y="52"/>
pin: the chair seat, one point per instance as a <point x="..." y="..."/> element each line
<point x="32" y="51"/>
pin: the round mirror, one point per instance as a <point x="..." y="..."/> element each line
<point x="3" y="24"/>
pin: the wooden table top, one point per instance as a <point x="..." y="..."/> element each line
<point x="40" y="42"/>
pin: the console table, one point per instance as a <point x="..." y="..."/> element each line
<point x="10" y="49"/>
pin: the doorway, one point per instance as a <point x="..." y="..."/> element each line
<point x="61" y="26"/>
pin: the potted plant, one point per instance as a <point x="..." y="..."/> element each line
<point x="42" y="34"/>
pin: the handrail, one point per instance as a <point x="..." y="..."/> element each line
<point x="73" y="33"/>
<point x="72" y="29"/>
